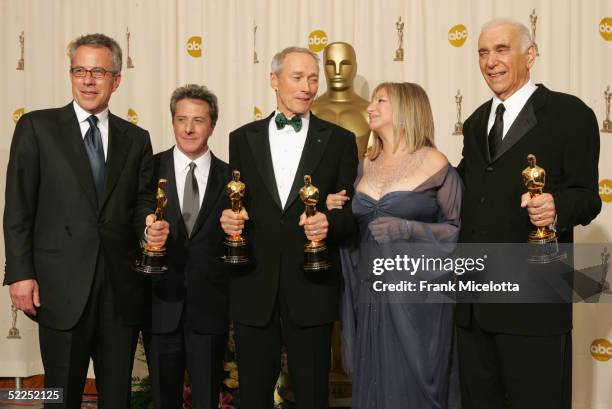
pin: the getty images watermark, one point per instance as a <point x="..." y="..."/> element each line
<point x="458" y="266"/>
<point x="477" y="273"/>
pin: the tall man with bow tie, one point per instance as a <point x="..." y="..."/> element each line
<point x="78" y="189"/>
<point x="277" y="301"/>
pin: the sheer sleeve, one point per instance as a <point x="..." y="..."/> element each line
<point x="448" y="189"/>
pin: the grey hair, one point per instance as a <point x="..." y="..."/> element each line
<point x="279" y="57"/>
<point x="200" y="92"/>
<point x="99" y="40"/>
<point x="523" y="31"/>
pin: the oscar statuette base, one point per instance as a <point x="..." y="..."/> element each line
<point x="399" y="55"/>
<point x="458" y="129"/>
<point x="315" y="257"/>
<point x="13" y="334"/>
<point x="544" y="247"/>
<point x="340" y="390"/>
<point x="235" y="251"/>
<point x="151" y="262"/>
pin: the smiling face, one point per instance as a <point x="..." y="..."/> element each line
<point x="192" y="127"/>
<point x="296" y="84"/>
<point x="381" y="113"/>
<point x="503" y="63"/>
<point x="93" y="94"/>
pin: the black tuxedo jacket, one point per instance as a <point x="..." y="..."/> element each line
<point x="54" y="229"/>
<point x="196" y="283"/>
<point x="276" y="240"/>
<point x="562" y="132"/>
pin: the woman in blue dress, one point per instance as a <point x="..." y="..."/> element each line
<point x="399" y="350"/>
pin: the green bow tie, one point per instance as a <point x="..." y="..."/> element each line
<point x="295" y="122"/>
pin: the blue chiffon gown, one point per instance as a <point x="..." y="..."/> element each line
<point x="400" y="354"/>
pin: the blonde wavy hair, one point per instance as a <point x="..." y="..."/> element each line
<point x="412" y="117"/>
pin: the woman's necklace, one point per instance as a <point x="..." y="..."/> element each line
<point x="382" y="174"/>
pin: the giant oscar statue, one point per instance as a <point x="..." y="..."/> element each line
<point x="340" y="104"/>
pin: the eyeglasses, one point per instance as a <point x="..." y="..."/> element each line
<point x="96" y="72"/>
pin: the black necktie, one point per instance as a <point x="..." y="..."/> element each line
<point x="191" y="199"/>
<point x="497" y="131"/>
<point x="295" y="122"/>
<point x="95" y="152"/>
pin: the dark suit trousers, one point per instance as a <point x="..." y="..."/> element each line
<point x="202" y="354"/>
<point x="99" y="334"/>
<point x="516" y="371"/>
<point x="259" y="360"/>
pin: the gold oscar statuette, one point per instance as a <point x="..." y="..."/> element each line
<point x="546" y="248"/>
<point x="315" y="252"/>
<point x="533" y="17"/>
<point x="130" y="63"/>
<point x="14" y="331"/>
<point x="340" y="104"/>
<point x="255" y="59"/>
<point x="458" y="125"/>
<point x="399" y="53"/>
<point x="235" y="247"/>
<point x="152" y="258"/>
<point x="607" y="123"/>
<point x="21" y="62"/>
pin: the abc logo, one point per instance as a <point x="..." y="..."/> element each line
<point x="601" y="349"/>
<point x="317" y="40"/>
<point x="132" y="116"/>
<point x="605" y="190"/>
<point x="194" y="46"/>
<point x="257" y="114"/>
<point x="457" y="35"/>
<point x="17" y="114"/>
<point x="605" y="28"/>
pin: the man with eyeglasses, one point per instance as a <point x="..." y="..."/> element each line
<point x="78" y="190"/>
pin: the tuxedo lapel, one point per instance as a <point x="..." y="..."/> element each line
<point x="260" y="146"/>
<point x="525" y="121"/>
<point x="316" y="142"/>
<point x="74" y="148"/>
<point x="214" y="187"/>
<point x="173" y="209"/>
<point x="118" y="148"/>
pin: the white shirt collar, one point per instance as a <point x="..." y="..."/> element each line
<point x="515" y="102"/>
<point x="82" y="114"/>
<point x="182" y="161"/>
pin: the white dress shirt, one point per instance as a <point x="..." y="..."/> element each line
<point x="82" y="116"/>
<point x="514" y="104"/>
<point x="286" y="147"/>
<point x="201" y="171"/>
